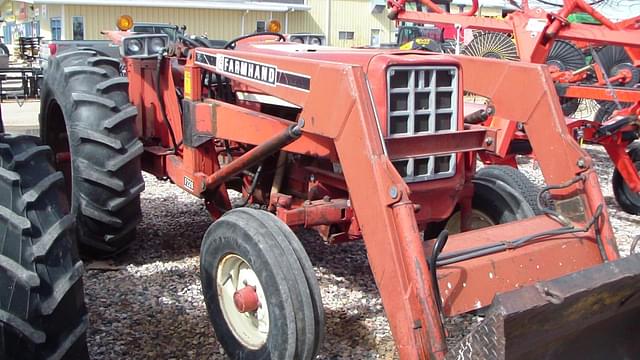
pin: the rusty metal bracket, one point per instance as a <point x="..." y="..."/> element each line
<point x="474" y="139"/>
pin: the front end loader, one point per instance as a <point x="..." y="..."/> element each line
<point x="357" y="144"/>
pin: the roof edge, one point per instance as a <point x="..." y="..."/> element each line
<point x="194" y="4"/>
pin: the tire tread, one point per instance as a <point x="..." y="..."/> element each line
<point x="105" y="149"/>
<point x="46" y="297"/>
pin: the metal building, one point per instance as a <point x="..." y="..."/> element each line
<point x="344" y="22"/>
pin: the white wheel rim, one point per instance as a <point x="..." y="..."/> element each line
<point x="479" y="220"/>
<point x="250" y="328"/>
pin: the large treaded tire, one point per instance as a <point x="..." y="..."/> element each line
<point x="628" y="200"/>
<point x="85" y="111"/>
<point x="42" y="311"/>
<point x="517" y="180"/>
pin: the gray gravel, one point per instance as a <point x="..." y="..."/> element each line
<point x="148" y="304"/>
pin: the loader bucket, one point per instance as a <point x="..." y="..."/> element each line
<point x="590" y="314"/>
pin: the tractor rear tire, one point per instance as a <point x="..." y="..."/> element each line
<point x="628" y="200"/>
<point x="516" y="180"/>
<point x="42" y="310"/>
<point x="86" y="117"/>
<point x="251" y="244"/>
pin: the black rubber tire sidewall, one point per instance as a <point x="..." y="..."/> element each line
<point x="4" y="50"/>
<point x="312" y="282"/>
<point x="516" y="180"/>
<point x="58" y="87"/>
<point x="55" y="307"/>
<point x="495" y="199"/>
<point x="226" y="237"/>
<point x="628" y="201"/>
<point x="491" y="203"/>
<point x="304" y="295"/>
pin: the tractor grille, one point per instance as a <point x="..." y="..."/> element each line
<point x="423" y="100"/>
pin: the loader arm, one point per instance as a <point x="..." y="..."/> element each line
<point x="378" y="193"/>
<point x="540" y="112"/>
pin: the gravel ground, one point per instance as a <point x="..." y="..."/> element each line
<point x="148" y="304"/>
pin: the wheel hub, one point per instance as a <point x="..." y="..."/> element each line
<point x="246" y="299"/>
<point x="625" y="74"/>
<point x="479" y="220"/>
<point x="242" y="301"/>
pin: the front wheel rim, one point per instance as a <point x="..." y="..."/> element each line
<point x="235" y="275"/>
<point x="479" y="220"/>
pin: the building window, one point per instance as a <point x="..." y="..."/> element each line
<point x="78" y="27"/>
<point x="56" y="28"/>
<point x="345" y="35"/>
<point x="375" y="38"/>
<point x="261" y="26"/>
<point x="28" y="30"/>
<point x="36" y="28"/>
<point x="8" y="33"/>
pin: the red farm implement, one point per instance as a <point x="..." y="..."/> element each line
<point x="357" y="144"/>
<point x="611" y="79"/>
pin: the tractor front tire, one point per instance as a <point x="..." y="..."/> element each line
<point x="494" y="202"/>
<point x="42" y="311"/>
<point x="87" y="119"/>
<point x="628" y="200"/>
<point x="248" y="254"/>
<point x="516" y="180"/>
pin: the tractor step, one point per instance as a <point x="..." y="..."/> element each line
<point x="591" y="314"/>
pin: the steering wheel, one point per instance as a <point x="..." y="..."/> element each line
<point x="189" y="42"/>
<point x="231" y="44"/>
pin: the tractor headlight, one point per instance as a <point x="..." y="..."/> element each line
<point x="135" y="47"/>
<point x="315" y="40"/>
<point x="157" y="45"/>
<point x="144" y="46"/>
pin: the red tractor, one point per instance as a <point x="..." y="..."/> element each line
<point x="358" y="144"/>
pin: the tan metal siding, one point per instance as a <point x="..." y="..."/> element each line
<point x="52" y="11"/>
<point x="313" y="21"/>
<point x="217" y="24"/>
<point x="347" y="15"/>
<point x="356" y="16"/>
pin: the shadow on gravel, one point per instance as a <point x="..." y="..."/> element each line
<point x="170" y="322"/>
<point x="349" y="330"/>
<point x="346" y="261"/>
<point x="171" y="230"/>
